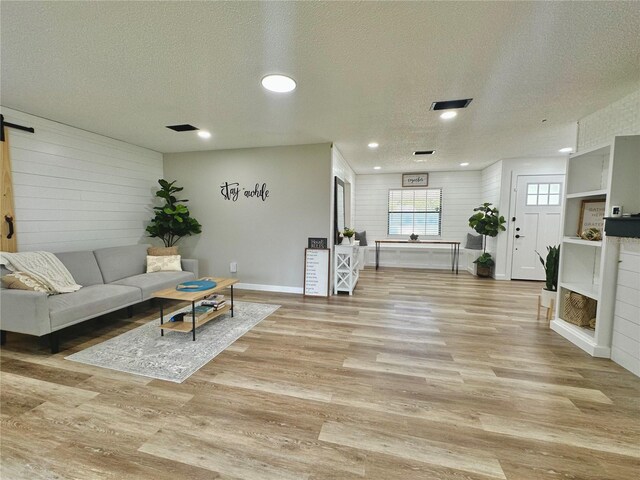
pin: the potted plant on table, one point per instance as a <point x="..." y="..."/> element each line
<point x="550" y="266"/>
<point x="489" y="223"/>
<point x="172" y="221"/>
<point x="347" y="233"/>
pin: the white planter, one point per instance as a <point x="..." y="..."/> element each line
<point x="546" y="296"/>
<point x="346" y="241"/>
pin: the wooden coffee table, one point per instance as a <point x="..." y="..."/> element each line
<point x="193" y="297"/>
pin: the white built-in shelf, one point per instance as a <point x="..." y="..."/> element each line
<point x="610" y="172"/>
<point x="587" y="289"/>
<point x="592" y="193"/>
<point x="580" y="241"/>
<point x="580" y="336"/>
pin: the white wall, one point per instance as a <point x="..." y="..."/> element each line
<point x="344" y="172"/>
<point x="266" y="238"/>
<point x="625" y="348"/>
<point x="76" y="190"/>
<point x="491" y="184"/>
<point x="460" y="195"/>
<point x="619" y="118"/>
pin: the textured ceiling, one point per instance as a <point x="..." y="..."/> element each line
<point x="365" y="70"/>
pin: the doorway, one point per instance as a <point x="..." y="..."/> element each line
<point x="538" y="209"/>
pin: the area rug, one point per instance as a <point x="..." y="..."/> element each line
<point x="175" y="356"/>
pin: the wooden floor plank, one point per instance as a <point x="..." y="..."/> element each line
<point x="418" y="375"/>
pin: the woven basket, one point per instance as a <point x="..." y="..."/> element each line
<point x="578" y="309"/>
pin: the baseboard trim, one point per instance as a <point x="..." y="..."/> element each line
<point x="268" y="288"/>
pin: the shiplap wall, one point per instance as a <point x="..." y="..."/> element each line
<point x="619" y="118"/>
<point x="75" y="190"/>
<point x="491" y="183"/>
<point x="460" y="195"/>
<point x="625" y="348"/>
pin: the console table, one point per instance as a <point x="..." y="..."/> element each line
<point x="455" y="249"/>
<point x="346" y="268"/>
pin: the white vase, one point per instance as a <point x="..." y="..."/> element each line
<point x="546" y="296"/>
<point x="346" y="240"/>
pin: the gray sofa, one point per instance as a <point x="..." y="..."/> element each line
<point x="111" y="279"/>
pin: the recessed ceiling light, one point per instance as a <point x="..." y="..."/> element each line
<point x="204" y="134"/>
<point x="566" y="150"/>
<point x="464" y="164"/>
<point x="279" y="83"/>
<point x="449" y="115"/>
<point x="377" y="168"/>
<point x="373" y="145"/>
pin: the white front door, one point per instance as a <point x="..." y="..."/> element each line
<point x="537" y="223"/>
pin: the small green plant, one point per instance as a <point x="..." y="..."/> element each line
<point x="172" y="220"/>
<point x="348" y="232"/>
<point x="413" y="237"/>
<point x="485" y="260"/>
<point x="551" y="267"/>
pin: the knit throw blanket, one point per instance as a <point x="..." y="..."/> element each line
<point x="43" y="266"/>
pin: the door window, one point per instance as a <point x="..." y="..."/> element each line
<point x="543" y="194"/>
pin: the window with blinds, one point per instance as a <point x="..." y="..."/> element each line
<point x="416" y="211"/>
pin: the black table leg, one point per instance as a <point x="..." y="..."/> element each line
<point x="457" y="257"/>
<point x="193" y="319"/>
<point x="453" y="256"/>
<point x="377" y="254"/>
<point x="161" y="318"/>
<point x="231" y="301"/>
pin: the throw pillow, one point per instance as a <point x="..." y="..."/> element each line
<point x="24" y="281"/>
<point x="362" y="236"/>
<point x="474" y="242"/>
<point x="163" y="263"/>
<point x="162" y="251"/>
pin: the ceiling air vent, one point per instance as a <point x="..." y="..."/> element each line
<point x="424" y="152"/>
<point x="451" y="104"/>
<point x="185" y="127"/>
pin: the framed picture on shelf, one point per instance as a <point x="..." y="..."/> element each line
<point x="592" y="215"/>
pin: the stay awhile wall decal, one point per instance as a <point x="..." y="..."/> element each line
<point x="231" y="191"/>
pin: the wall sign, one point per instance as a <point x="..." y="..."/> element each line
<point x="316" y="272"/>
<point x="317" y="242"/>
<point x="232" y="191"/>
<point x="415" y="179"/>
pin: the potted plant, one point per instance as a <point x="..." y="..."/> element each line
<point x="347" y="233"/>
<point x="484" y="264"/>
<point x="172" y="220"/>
<point x="489" y="223"/>
<point x="550" y="266"/>
<point x="413" y="237"/>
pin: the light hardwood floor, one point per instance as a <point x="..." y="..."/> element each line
<point x="419" y="375"/>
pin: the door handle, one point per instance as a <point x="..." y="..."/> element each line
<point x="519" y="236"/>
<point x="9" y="220"/>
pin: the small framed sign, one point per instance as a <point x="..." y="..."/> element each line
<point x="415" y="179"/>
<point x="317" y="242"/>
<point x="592" y="215"/>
